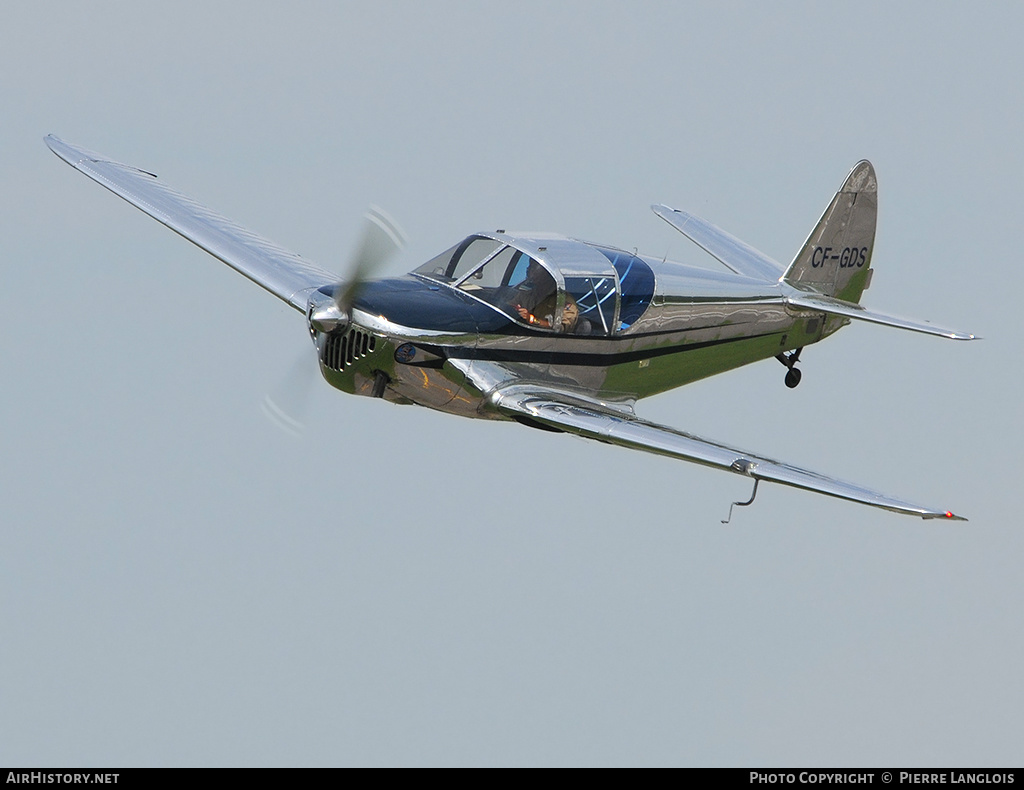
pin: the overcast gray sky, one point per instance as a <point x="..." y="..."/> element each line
<point x="182" y="583"/>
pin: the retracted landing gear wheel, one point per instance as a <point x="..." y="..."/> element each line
<point x="793" y="377"/>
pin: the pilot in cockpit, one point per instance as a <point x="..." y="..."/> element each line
<point x="535" y="299"/>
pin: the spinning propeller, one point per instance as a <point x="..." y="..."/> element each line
<point x="381" y="238"/>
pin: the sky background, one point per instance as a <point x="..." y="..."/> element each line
<point x="184" y="583"/>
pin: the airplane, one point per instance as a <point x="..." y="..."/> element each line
<point x="556" y="333"/>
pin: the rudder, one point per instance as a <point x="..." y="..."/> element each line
<point x="836" y="258"/>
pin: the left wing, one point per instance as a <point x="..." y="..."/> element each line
<point x="285" y="274"/>
<point x="553" y="410"/>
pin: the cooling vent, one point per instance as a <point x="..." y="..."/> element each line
<point x="342" y="350"/>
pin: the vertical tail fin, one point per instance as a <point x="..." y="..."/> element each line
<point x="836" y="258"/>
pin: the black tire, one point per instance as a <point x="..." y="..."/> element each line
<point x="793" y="377"/>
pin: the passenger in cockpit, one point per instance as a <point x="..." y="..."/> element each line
<point x="535" y="300"/>
<point x="544" y="313"/>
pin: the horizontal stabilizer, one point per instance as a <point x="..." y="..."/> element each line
<point x="826" y="304"/>
<point x="726" y="248"/>
<point x="549" y="409"/>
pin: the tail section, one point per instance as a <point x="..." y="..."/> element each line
<point x="836" y="258"/>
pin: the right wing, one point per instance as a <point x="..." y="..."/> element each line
<point x="283" y="273"/>
<point x="544" y="408"/>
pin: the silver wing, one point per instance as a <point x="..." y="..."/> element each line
<point x="551" y="409"/>
<point x="283" y="273"/>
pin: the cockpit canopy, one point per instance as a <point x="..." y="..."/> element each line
<point x="549" y="282"/>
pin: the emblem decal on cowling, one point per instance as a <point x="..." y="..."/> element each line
<point x="405" y="353"/>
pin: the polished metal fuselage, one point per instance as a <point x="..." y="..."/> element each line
<point x="454" y="351"/>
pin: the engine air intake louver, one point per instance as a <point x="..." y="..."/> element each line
<point x="342" y="350"/>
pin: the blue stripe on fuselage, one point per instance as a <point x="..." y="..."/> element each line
<point x="417" y="303"/>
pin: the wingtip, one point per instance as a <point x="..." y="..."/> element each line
<point x="68" y="153"/>
<point x="949" y="515"/>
